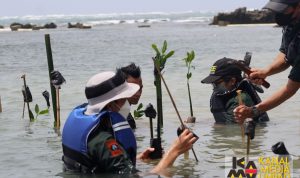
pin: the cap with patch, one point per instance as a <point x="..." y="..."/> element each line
<point x="221" y="68"/>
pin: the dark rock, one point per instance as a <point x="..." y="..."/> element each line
<point x="79" y="25"/>
<point x="50" y="25"/>
<point x="28" y="26"/>
<point x="242" y="16"/>
<point x="1" y="26"/>
<point x="15" y="26"/>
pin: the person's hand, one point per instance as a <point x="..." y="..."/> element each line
<point x="184" y="142"/>
<point x="257" y="75"/>
<point x="241" y="113"/>
<point x="145" y="154"/>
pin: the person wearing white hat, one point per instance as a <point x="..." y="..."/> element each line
<point x="287" y="15"/>
<point x="96" y="137"/>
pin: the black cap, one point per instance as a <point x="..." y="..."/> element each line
<point x="279" y="6"/>
<point x="222" y="67"/>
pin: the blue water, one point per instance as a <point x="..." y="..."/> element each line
<point x="34" y="149"/>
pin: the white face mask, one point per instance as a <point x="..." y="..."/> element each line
<point x="125" y="109"/>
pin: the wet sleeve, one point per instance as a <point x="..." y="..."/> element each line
<point x="110" y="156"/>
<point x="282" y="46"/>
<point x="295" y="71"/>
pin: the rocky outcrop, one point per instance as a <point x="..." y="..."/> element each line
<point x="242" y="16"/>
<point x="1" y="26"/>
<point x="50" y="25"/>
<point x="79" y="25"/>
<point x="16" y="26"/>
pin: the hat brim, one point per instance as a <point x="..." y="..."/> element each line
<point x="276" y="7"/>
<point x="211" y="79"/>
<point x="125" y="90"/>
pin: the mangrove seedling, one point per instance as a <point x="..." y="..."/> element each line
<point x="188" y="62"/>
<point x="160" y="60"/>
<point x="139" y="112"/>
<point x="38" y="112"/>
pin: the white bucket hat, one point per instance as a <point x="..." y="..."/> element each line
<point x="106" y="87"/>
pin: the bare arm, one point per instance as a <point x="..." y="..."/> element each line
<point x="278" y="65"/>
<point x="242" y="112"/>
<point x="182" y="144"/>
<point x="280" y="96"/>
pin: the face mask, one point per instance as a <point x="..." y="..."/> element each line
<point x="220" y="89"/>
<point x="283" y="19"/>
<point x="125" y="109"/>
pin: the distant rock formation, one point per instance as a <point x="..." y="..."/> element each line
<point x="78" y="25"/>
<point x="1" y="26"/>
<point x="50" y="25"/>
<point x="242" y="16"/>
<point x="16" y="26"/>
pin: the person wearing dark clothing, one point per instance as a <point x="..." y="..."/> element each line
<point x="226" y="80"/>
<point x="287" y="15"/>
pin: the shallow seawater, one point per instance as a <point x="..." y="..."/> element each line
<point x="33" y="149"/>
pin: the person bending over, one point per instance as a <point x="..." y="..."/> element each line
<point x="96" y="138"/>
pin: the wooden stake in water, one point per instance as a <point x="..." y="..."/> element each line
<point x="0" y="105"/>
<point x="173" y="102"/>
<point x="50" y="69"/>
<point x="240" y="100"/>
<point x="57" y="108"/>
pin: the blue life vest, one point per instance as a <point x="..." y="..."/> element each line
<point x="78" y="127"/>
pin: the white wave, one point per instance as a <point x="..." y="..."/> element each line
<point x="194" y="19"/>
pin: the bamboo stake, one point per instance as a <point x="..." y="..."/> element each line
<point x="173" y="102"/>
<point x="239" y="95"/>
<point x="248" y="145"/>
<point x="0" y="105"/>
<point x="50" y="69"/>
<point x="23" y="109"/>
<point x="57" y="108"/>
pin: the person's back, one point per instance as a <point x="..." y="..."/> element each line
<point x="227" y="80"/>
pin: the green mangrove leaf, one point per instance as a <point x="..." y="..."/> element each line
<point x="189" y="75"/>
<point x="156" y="49"/>
<point x="164" y="59"/>
<point x="169" y="54"/>
<point x="45" y="111"/>
<point x="36" y="108"/>
<point x="140" y="106"/>
<point x="164" y="48"/>
<point x="192" y="55"/>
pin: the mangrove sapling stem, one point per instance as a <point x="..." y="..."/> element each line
<point x="23" y="109"/>
<point x="188" y="62"/>
<point x="50" y="69"/>
<point x="159" y="101"/>
<point x="173" y="102"/>
<point x="190" y="99"/>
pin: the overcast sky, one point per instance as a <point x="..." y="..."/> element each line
<point x="47" y="7"/>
